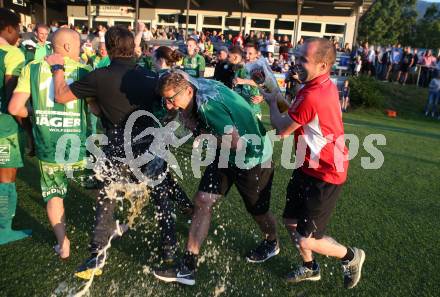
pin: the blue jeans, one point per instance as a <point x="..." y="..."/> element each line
<point x="380" y="70"/>
<point x="431" y="105"/>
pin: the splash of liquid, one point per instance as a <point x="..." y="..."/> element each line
<point x="138" y="197"/>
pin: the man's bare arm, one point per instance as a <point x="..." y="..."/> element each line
<point x="283" y="123"/>
<point x="63" y="94"/>
<point x="17" y="105"/>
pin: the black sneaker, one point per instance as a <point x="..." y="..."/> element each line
<point x="264" y="251"/>
<point x="352" y="270"/>
<point x="92" y="266"/>
<point x="182" y="275"/>
<point x="303" y="273"/>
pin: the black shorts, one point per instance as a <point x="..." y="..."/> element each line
<point x="254" y="185"/>
<point x="396" y="67"/>
<point x="404" y="68"/>
<point x="310" y="203"/>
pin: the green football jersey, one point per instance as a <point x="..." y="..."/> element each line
<point x="53" y="120"/>
<point x="247" y="91"/>
<point x="228" y="108"/>
<point x="11" y="63"/>
<point x="192" y="65"/>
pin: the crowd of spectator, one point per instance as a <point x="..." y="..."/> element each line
<point x="386" y="63"/>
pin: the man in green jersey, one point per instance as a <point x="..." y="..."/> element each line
<point x="209" y="107"/>
<point x="248" y="92"/>
<point x="38" y="46"/>
<point x="104" y="59"/>
<point x="59" y="129"/>
<point x="101" y="58"/>
<point x="11" y="135"/>
<point x="193" y="63"/>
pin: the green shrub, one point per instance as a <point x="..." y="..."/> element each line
<point x="365" y="91"/>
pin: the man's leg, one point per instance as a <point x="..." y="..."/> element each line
<point x="53" y="182"/>
<point x="201" y="220"/>
<point x="161" y="196"/>
<point x="105" y="226"/>
<point x="268" y="225"/>
<point x="8" y="204"/>
<point x="307" y="214"/>
<point x="214" y="184"/>
<point x="254" y="186"/>
<point x="55" y="213"/>
<point x="12" y="146"/>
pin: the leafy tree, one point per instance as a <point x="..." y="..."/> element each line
<point x="389" y="22"/>
<point x="428" y="29"/>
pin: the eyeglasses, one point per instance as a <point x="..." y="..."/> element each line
<point x="172" y="98"/>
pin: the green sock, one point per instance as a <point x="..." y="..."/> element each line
<point x="8" y="204"/>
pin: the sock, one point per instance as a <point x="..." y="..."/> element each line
<point x="348" y="256"/>
<point x="8" y="203"/>
<point x="309" y="264"/>
<point x="190" y="260"/>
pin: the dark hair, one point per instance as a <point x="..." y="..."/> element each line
<point x="8" y="18"/>
<point x="170" y="56"/>
<point x="325" y="51"/>
<point x="252" y="45"/>
<point x="236" y="50"/>
<point x="119" y="42"/>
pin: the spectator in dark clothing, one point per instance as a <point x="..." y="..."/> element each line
<point x="222" y="71"/>
<point x="406" y="64"/>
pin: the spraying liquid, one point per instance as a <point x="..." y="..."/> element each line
<point x="138" y="197"/>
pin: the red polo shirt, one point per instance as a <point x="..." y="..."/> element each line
<point x="317" y="109"/>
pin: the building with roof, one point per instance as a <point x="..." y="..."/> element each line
<point x="295" y="18"/>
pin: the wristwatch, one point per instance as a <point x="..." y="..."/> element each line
<point x="56" y="67"/>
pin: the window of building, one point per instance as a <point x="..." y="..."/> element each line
<point x="232" y="22"/>
<point x="335" y="29"/>
<point x="167" y="18"/>
<point x="124" y="24"/>
<point x="95" y="24"/>
<point x="311" y="27"/>
<point x="192" y="19"/>
<point x="283" y="25"/>
<point x="212" y="21"/>
<point x="227" y="32"/>
<point x="80" y="23"/>
<point x="256" y="23"/>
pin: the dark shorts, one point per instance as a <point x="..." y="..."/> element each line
<point x="310" y="203"/>
<point x="404" y="68"/>
<point x="396" y="67"/>
<point x="254" y="185"/>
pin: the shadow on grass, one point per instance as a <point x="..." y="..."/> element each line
<point x="371" y="125"/>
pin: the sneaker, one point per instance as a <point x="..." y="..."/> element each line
<point x="181" y="274"/>
<point x="92" y="266"/>
<point x="352" y="270"/>
<point x="303" y="273"/>
<point x="264" y="251"/>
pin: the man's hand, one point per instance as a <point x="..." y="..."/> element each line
<point x="140" y="27"/>
<point x="257" y="99"/>
<point x="271" y="98"/>
<point x="55" y="59"/>
<point x="238" y="81"/>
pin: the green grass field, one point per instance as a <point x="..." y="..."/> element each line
<point x="392" y="213"/>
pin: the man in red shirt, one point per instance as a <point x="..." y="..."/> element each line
<point x="315" y="119"/>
